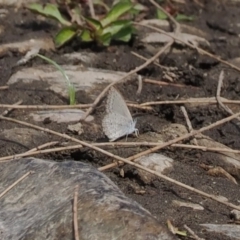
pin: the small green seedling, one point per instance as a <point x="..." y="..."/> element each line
<point x="111" y="27"/>
<point x="179" y="17"/>
<point x="71" y="89"/>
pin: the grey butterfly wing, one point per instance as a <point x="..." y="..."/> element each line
<point x="115" y="126"/>
<point x="116" y="103"/>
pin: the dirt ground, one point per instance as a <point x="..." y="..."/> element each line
<point x="220" y="20"/>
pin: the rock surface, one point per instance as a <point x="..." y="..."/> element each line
<point x="40" y="206"/>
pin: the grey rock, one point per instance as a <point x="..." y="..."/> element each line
<point x="40" y="206"/>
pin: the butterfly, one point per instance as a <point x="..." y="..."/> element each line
<point x="118" y="121"/>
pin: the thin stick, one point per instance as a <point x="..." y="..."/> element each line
<point x="192" y="233"/>
<point x="150" y="60"/>
<point x="171" y="18"/>
<point x="130" y="159"/>
<point x="116" y="144"/>
<point x="139" y="106"/>
<point x="189" y="124"/>
<point x="200" y="50"/>
<point x="140" y="85"/>
<point x="218" y="97"/>
<point x="143" y="58"/>
<point x="7" y="111"/>
<point x="4" y="87"/>
<point x="49" y="144"/>
<point x="38" y="107"/>
<point x="211" y="100"/>
<point x="181" y="138"/>
<point x="75" y="213"/>
<point x="161" y="83"/>
<point x="15" y="183"/>
<point x="91" y="8"/>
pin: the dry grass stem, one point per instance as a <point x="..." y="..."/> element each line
<point x="15" y="183"/>
<point x="140" y="85"/>
<point x="146" y="59"/>
<point x="75" y="213"/>
<point x="218" y="95"/>
<point x="177" y="28"/>
<point x="154" y="149"/>
<point x="200" y="50"/>
<point x="189" y="124"/>
<point x="45" y="145"/>
<point x="137" y="69"/>
<point x="42" y="107"/>
<point x="192" y="233"/>
<point x="113" y="145"/>
<point x="178" y="139"/>
<point x="211" y="100"/>
<point x="162" y="83"/>
<point x="6" y="112"/>
<point x="4" y="87"/>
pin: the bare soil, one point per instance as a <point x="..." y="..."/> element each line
<point x="220" y="20"/>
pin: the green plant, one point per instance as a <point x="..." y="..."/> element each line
<point x="179" y="17"/>
<point x="111" y="27"/>
<point x="71" y="89"/>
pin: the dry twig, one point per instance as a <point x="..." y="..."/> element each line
<point x="42" y="107"/>
<point x="140" y="85"/>
<point x="218" y="97"/>
<point x="4" y="87"/>
<point x="192" y="233"/>
<point x="15" y="183"/>
<point x="116" y="144"/>
<point x="200" y="50"/>
<point x="7" y="111"/>
<point x="75" y="213"/>
<point x="211" y="100"/>
<point x="137" y="69"/>
<point x="189" y="124"/>
<point x="154" y="149"/>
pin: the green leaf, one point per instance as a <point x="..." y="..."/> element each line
<point x="48" y="10"/>
<point x="101" y="3"/>
<point x="64" y="35"/>
<point x="116" y="26"/>
<point x="182" y="17"/>
<point x="105" y="39"/>
<point x="71" y="89"/>
<point x="116" y="12"/>
<point x="139" y="7"/>
<point x="161" y="15"/>
<point x="86" y="36"/>
<point x="94" y="24"/>
<point x="124" y="34"/>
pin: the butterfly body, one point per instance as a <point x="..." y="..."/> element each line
<point x="118" y="121"/>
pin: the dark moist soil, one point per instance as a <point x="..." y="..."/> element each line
<point x="219" y="19"/>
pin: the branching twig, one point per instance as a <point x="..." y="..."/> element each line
<point x="150" y="60"/>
